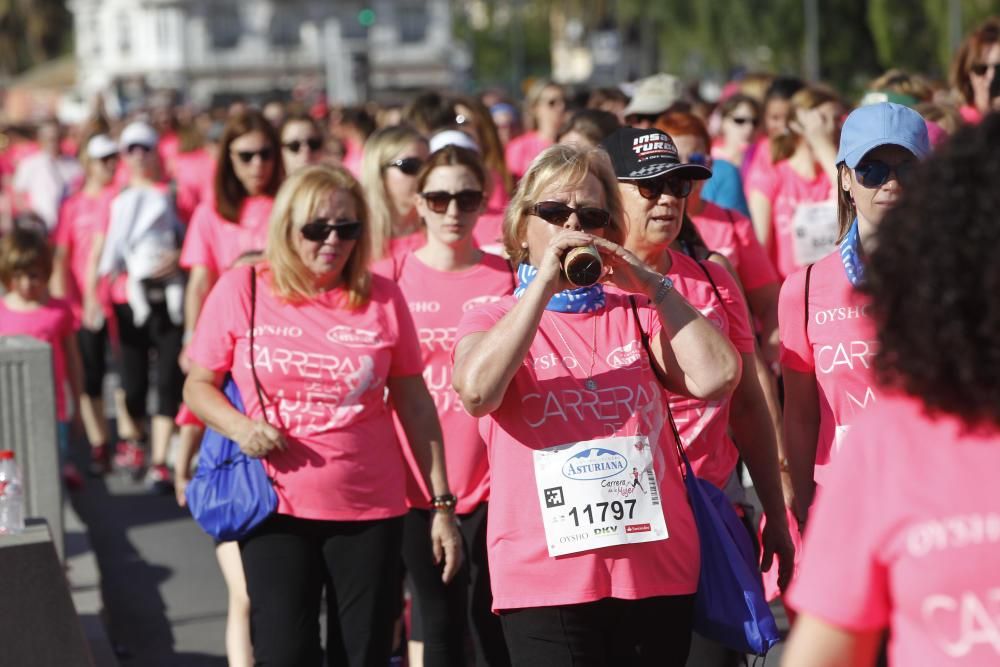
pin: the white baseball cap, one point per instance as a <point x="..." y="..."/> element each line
<point x="452" y="138"/>
<point x="138" y="133"/>
<point x="101" y="146"/>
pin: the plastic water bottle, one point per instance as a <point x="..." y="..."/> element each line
<point x="11" y="495"/>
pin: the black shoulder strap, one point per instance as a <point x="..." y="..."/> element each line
<point x="253" y="321"/>
<point x="661" y="376"/>
<point x="806" y="298"/>
<point x="708" y="274"/>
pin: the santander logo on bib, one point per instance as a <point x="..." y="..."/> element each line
<point x="594" y="463"/>
<point x="479" y="301"/>
<point x="352" y="337"/>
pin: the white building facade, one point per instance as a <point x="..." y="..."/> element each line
<point x="211" y="49"/>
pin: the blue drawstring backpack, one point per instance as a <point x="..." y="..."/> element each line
<point x="730" y="606"/>
<point x="230" y="493"/>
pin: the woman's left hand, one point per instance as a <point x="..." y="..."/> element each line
<point x="447" y="543"/>
<point x="623" y="269"/>
<point x="777" y="542"/>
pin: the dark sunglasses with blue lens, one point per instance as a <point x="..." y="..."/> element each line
<point x="875" y="173"/>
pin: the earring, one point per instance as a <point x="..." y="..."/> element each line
<point x="524" y="244"/>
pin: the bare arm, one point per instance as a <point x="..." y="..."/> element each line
<point x="200" y="282"/>
<point x="93" y="318"/>
<point x="816" y="643"/>
<point x="418" y="416"/>
<point x="801" y="435"/>
<point x="60" y="269"/>
<point x="74" y="369"/>
<point x="763" y="302"/>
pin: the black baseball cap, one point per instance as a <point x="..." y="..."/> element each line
<point x="640" y="154"/>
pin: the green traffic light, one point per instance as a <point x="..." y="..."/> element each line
<point x="366" y="17"/>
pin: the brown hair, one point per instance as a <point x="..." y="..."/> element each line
<point x="453" y="156"/>
<point x="229" y="192"/>
<point x="729" y="105"/>
<point x="379" y="149"/>
<point x="986" y="34"/>
<point x="489" y="141"/>
<point x="565" y="165"/>
<point x="296" y="204"/>
<point x="595" y="124"/>
<point x="684" y="123"/>
<point x="808" y="98"/>
<point x="23" y="250"/>
<point x="903" y="83"/>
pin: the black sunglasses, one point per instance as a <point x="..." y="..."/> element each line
<point x="557" y="213"/>
<point x="319" y="230"/>
<point x="875" y="173"/>
<point x="314" y="144"/>
<point x="108" y="159"/>
<point x="468" y="200"/>
<point x="131" y="148"/>
<point x="408" y="165"/>
<point x="979" y="69"/>
<point x="652" y="188"/>
<point x="246" y="157"/>
<point x="743" y="120"/>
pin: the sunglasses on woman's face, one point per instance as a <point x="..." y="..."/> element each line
<point x="319" y="229"/>
<point x="743" y="120"/>
<point x="408" y="165"/>
<point x="557" y="213"/>
<point x="653" y="188"/>
<point x="875" y="173"/>
<point x="246" y="157"/>
<point x="141" y="148"/>
<point x="980" y="69"/>
<point x="313" y="143"/>
<point x="468" y="200"/>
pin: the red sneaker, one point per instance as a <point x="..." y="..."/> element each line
<point x="130" y="456"/>
<point x="100" y="461"/>
<point x="159" y="480"/>
<point x="72" y="477"/>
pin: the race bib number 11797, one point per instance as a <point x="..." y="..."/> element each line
<point x="598" y="493"/>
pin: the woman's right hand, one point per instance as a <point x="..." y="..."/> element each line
<point x="257" y="438"/>
<point x="93" y="314"/>
<point x="550" y="269"/>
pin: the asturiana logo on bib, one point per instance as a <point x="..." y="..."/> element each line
<point x="352" y="337"/>
<point x="594" y="463"/>
<point x="626" y="355"/>
<point x="479" y="301"/>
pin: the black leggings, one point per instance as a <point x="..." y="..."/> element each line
<point x="288" y="561"/>
<point x="93" y="356"/>
<point x="160" y="334"/>
<point x="624" y="633"/>
<point x="441" y="614"/>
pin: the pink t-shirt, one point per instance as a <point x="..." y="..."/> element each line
<point x="323" y="371"/>
<point x="547" y="405"/>
<point x="731" y="234"/>
<point x="520" y="151"/>
<point x="399" y="247"/>
<point x="194" y="173"/>
<point x="437" y="300"/>
<point x="50" y="323"/>
<point x="704" y="425"/>
<point x="839" y="347"/>
<point x="786" y="190"/>
<point x="906" y="535"/>
<point x="970" y="114"/>
<point x="488" y="231"/>
<point x="81" y="217"/>
<point x="215" y="243"/>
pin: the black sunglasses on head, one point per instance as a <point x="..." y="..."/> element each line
<point x="246" y="157"/>
<point x="979" y="69"/>
<point x="313" y="143"/>
<point x="875" y="173"/>
<point x="652" y="188"/>
<point x="319" y="229"/>
<point x="557" y="213"/>
<point x="468" y="200"/>
<point x="408" y="165"/>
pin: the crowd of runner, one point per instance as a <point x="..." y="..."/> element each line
<point x="796" y="287"/>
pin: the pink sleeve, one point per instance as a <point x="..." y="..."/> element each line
<point x="215" y="337"/>
<point x="197" y="250"/>
<point x="763" y="178"/>
<point x="61" y="236"/>
<point x="406" y="357"/>
<point x="796" y="352"/>
<point x="755" y="269"/>
<point x="740" y="332"/>
<point x="842" y="579"/>
<point x="68" y="324"/>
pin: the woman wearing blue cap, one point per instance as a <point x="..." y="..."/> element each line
<point x="827" y="337"/>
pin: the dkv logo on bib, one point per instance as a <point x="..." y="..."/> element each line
<point x="594" y="463"/>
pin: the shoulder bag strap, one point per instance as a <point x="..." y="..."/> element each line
<point x="661" y="376"/>
<point x="253" y="321"/>
<point x="805" y="324"/>
<point x="708" y="274"/>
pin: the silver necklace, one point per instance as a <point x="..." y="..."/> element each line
<point x="589" y="383"/>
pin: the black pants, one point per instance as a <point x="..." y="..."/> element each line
<point x="652" y="631"/>
<point x="442" y="614"/>
<point x="288" y="561"/>
<point x="157" y="334"/>
<point x="93" y="357"/>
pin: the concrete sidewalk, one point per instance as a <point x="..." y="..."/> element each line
<point x="84" y="578"/>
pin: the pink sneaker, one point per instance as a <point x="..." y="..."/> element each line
<point x="130" y="456"/>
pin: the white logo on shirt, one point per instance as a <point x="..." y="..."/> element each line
<point x="479" y="301"/>
<point x="352" y="337"/>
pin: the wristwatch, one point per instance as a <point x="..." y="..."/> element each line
<point x="664" y="288"/>
<point x="444" y="503"/>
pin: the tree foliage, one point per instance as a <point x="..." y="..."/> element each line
<point x="31" y="32"/>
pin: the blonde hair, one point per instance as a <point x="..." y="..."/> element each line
<point x="806" y="99"/>
<point x="380" y="148"/>
<point x="562" y="165"/>
<point x="297" y="202"/>
<point x="531" y="99"/>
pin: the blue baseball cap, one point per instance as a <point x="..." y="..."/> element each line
<point x="875" y="125"/>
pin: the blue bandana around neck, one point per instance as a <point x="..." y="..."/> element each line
<point x="851" y="256"/>
<point x="579" y="300"/>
